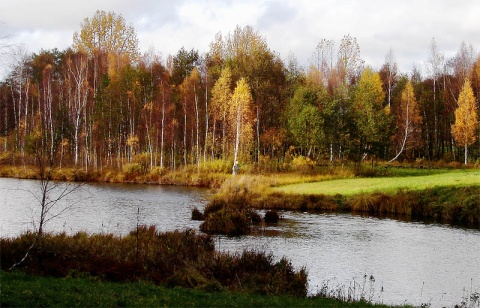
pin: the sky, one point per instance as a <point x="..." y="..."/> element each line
<point x="407" y="27"/>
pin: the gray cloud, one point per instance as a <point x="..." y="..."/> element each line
<point x="289" y="25"/>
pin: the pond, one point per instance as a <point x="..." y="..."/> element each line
<point x="387" y="260"/>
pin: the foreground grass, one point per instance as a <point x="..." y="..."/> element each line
<point x="388" y="185"/>
<point x="21" y="290"/>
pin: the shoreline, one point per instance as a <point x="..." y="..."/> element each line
<point x="449" y="204"/>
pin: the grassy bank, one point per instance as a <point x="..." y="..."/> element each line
<point x="21" y="290"/>
<point x="206" y="175"/>
<point x="446" y="196"/>
<point x="415" y="181"/>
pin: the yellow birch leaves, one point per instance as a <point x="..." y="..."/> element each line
<point x="235" y="112"/>
<point x="241" y="118"/>
<point x="466" y="118"/>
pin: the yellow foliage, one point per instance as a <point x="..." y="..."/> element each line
<point x="132" y="141"/>
<point x="466" y="117"/>
<point x="241" y="117"/>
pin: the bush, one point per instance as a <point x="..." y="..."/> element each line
<point x="303" y="164"/>
<point x="179" y="258"/>
<point x="132" y="170"/>
<point x="229" y="218"/>
<point x="271" y="217"/>
<point x="217" y="166"/>
<point x="196" y="214"/>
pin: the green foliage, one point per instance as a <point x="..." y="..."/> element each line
<point x="183" y="64"/>
<point x="306" y="125"/>
<point x="371" y="117"/>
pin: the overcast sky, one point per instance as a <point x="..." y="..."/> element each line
<point x="289" y="26"/>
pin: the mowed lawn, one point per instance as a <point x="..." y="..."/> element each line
<point x="347" y="187"/>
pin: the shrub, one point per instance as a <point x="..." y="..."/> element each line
<point x="196" y="214"/>
<point x="217" y="166"/>
<point x="232" y="218"/>
<point x="132" y="170"/>
<point x="179" y="258"/>
<point x="271" y="216"/>
<point x="303" y="164"/>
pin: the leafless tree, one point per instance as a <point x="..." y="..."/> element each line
<point x="45" y="150"/>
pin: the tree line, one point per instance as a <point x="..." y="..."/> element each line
<point x="101" y="103"/>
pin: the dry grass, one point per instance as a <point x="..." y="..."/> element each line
<point x="179" y="258"/>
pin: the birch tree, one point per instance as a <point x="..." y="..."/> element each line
<point x="466" y="119"/>
<point x="388" y="73"/>
<point x="370" y="115"/>
<point x="221" y="97"/>
<point x="350" y="64"/>
<point x="107" y="32"/>
<point x="409" y="119"/>
<point x="435" y="65"/>
<point x="242" y="119"/>
<point x="77" y="72"/>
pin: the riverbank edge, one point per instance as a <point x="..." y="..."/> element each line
<point x="447" y="204"/>
<point x="186" y="176"/>
<point x="22" y="290"/>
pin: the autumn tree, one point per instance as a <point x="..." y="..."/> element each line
<point x="19" y="82"/>
<point x="370" y="115"/>
<point x="350" y="64"/>
<point x="76" y="80"/>
<point x="108" y="32"/>
<point x="247" y="54"/>
<point x="435" y="65"/>
<point x="466" y="118"/>
<point x="242" y="119"/>
<point x="322" y="62"/>
<point x="408" y="119"/>
<point x="109" y="41"/>
<point x="221" y="97"/>
<point x="388" y="74"/>
<point x="190" y="96"/>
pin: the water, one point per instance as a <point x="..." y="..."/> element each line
<point x="386" y="260"/>
<point x="99" y="208"/>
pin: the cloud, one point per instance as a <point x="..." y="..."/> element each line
<point x="289" y="26"/>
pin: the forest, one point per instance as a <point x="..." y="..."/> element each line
<point x="102" y="104"/>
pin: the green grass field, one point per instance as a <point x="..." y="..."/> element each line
<point x="21" y="290"/>
<point x="417" y="181"/>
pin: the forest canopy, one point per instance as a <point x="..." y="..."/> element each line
<point x="101" y="103"/>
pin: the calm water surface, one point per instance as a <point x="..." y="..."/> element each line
<point x="402" y="262"/>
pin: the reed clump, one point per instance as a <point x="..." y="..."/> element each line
<point x="179" y="258"/>
<point x="229" y="218"/>
<point x="271" y="217"/>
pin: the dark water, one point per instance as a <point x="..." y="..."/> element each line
<point x="387" y="260"/>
